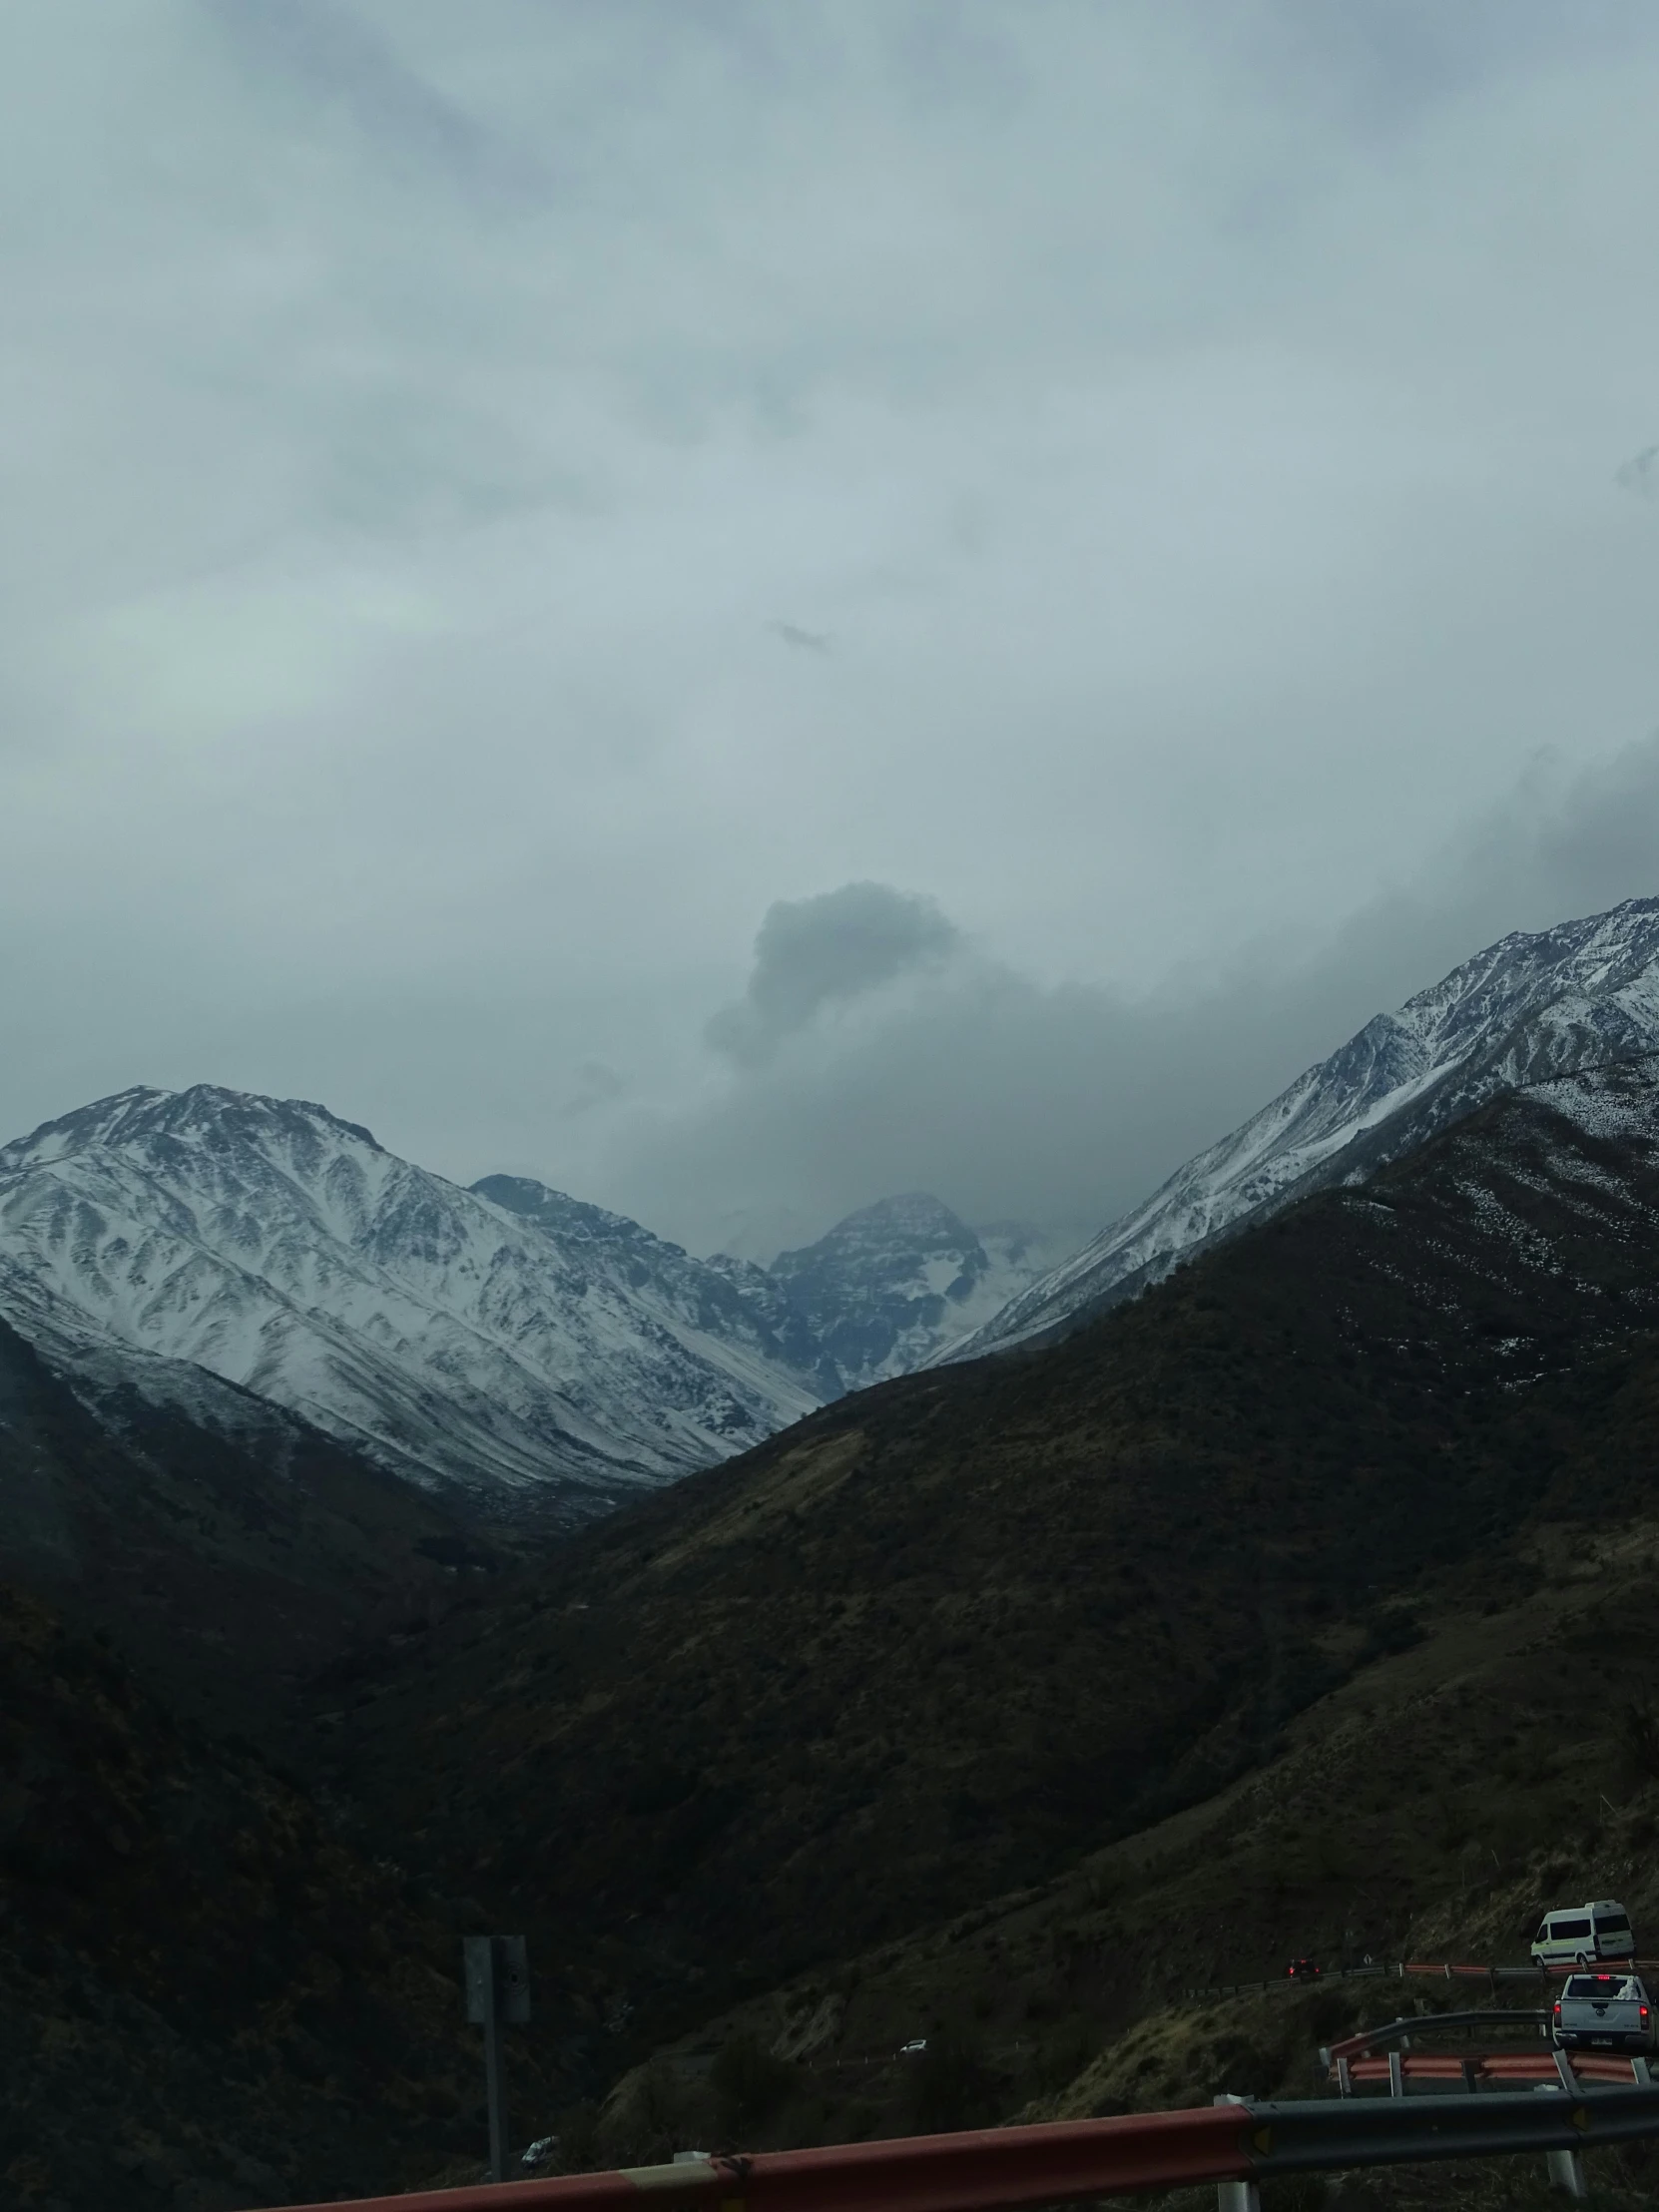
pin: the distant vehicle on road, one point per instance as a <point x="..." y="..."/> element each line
<point x="921" y="2044"/>
<point x="1603" y="2011"/>
<point x="1303" y="1970"/>
<point x="1584" y="1934"/>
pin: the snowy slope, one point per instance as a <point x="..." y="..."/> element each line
<point x="175" y="1237"/>
<point x="1529" y="1007"/>
<point x="891" y="1284"/>
<point x="875" y="1297"/>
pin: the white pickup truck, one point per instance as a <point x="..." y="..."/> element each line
<point x="1603" y="2011"/>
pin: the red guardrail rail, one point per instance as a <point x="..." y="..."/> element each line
<point x="1428" y="2023"/>
<point x="1008" y="2169"/>
<point x="996" y="2170"/>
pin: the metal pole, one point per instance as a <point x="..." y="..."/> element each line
<point x="1567" y="2172"/>
<point x="496" y="2094"/>
<point x="497" y="1977"/>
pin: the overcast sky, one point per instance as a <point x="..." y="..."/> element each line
<point x="743" y="606"/>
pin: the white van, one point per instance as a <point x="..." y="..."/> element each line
<point x="1579" y="1934"/>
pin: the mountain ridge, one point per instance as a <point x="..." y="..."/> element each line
<point x="944" y="1635"/>
<point x="207" y="1250"/>
<point x="1529" y="1006"/>
<point x="283" y="1249"/>
<point x="890" y="1286"/>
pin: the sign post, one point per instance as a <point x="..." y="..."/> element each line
<point x="497" y="1990"/>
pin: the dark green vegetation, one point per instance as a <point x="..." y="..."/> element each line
<point x="209" y="1995"/>
<point x="231" y="1569"/>
<point x="1305" y="1603"/>
<point x="941" y="1638"/>
<point x="1429" y="1807"/>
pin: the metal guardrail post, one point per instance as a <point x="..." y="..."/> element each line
<point x="1567" y="2172"/>
<point x="1396" y="2076"/>
<point x="497" y="1983"/>
<point x="1566" y="2168"/>
<point x="1236" y="2196"/>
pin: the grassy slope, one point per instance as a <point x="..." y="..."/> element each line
<point x="1430" y="1806"/>
<point x="941" y="1639"/>
<point x="208" y="1997"/>
<point x="1002" y="1702"/>
<point x="228" y="1572"/>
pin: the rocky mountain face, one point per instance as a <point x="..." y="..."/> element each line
<point x="169" y="1243"/>
<point x="891" y="1284"/>
<point x="730" y="1300"/>
<point x="945" y="1636"/>
<point x="233" y="1262"/>
<point x="1528" y="1007"/>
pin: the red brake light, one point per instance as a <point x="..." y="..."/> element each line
<point x="1557" y="2008"/>
<point x="1644" y="2012"/>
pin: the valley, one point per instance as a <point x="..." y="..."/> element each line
<point x="987" y="1704"/>
<point x="938" y="1641"/>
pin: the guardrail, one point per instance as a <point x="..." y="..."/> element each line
<point x="1384" y="2057"/>
<point x="1417" y="2023"/>
<point x="1233" y="2143"/>
<point x="1435" y="1970"/>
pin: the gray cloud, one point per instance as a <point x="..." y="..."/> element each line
<point x="1205" y="422"/>
<point x="344" y="64"/>
<point x="1063" y="1105"/>
<point x="814" y="954"/>
<point x="804" y="640"/>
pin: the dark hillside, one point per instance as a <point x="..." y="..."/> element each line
<point x="208" y="1996"/>
<point x="1430" y="1807"/>
<point x="230" y="1569"/>
<point x="941" y="1638"/>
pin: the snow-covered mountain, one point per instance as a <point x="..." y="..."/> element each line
<point x="891" y="1284"/>
<point x="733" y="1300"/>
<point x="875" y="1297"/>
<point x="1528" y="1008"/>
<point x="165" y="1240"/>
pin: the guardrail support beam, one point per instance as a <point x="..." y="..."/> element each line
<point x="1567" y="2172"/>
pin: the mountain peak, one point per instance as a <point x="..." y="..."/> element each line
<point x="161" y="1234"/>
<point x="910" y="1214"/>
<point x="202" y="1112"/>
<point x="887" y="1283"/>
<point x="1534" y="1006"/>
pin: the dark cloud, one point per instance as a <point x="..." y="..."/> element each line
<point x="338" y="60"/>
<point x="1063" y="1106"/>
<point x="595" y="1086"/>
<point x="804" y="640"/>
<point x="816" y="952"/>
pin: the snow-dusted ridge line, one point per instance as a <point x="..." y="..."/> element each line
<point x="892" y="1283"/>
<point x="269" y="1242"/>
<point x="1528" y="1008"/>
